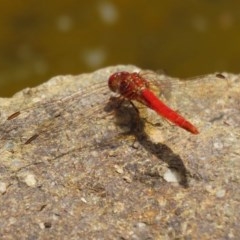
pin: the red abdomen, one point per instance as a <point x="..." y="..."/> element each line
<point x="162" y="109"/>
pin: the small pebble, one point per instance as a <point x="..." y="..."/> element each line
<point x="3" y="187"/>
<point x="118" y="169"/>
<point x="172" y="176"/>
<point x="135" y="145"/>
<point x="127" y="179"/>
<point x="83" y="200"/>
<point x="30" y="180"/>
<point x="220" y="193"/>
<point x="209" y="188"/>
<point x="112" y="154"/>
<point x="217" y="145"/>
<point x="141" y="225"/>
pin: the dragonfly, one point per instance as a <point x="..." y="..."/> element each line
<point x="133" y="86"/>
<point x="85" y="112"/>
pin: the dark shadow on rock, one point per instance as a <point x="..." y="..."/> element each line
<point x="164" y="153"/>
<point x="161" y="151"/>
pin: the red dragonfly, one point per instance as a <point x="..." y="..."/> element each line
<point x="133" y="86"/>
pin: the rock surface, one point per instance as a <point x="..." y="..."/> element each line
<point x="76" y="166"/>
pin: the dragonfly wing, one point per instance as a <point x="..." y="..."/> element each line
<point x="199" y="94"/>
<point x="84" y="119"/>
<point x="193" y="98"/>
<point x="195" y="92"/>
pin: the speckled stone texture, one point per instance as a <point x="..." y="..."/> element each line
<point x="75" y="164"/>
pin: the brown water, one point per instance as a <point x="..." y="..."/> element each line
<point x="39" y="40"/>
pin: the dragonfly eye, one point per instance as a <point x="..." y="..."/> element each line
<point x="115" y="80"/>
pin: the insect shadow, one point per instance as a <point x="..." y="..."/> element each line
<point x="136" y="128"/>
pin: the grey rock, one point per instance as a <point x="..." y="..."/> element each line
<point x="70" y="168"/>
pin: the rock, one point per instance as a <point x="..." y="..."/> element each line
<point x="73" y="170"/>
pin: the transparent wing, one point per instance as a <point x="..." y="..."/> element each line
<point x="204" y="84"/>
<point x="51" y="129"/>
<point x="196" y="92"/>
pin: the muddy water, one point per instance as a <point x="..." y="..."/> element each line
<point x="39" y="40"/>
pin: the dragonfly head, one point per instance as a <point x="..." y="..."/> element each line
<point x="115" y="80"/>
